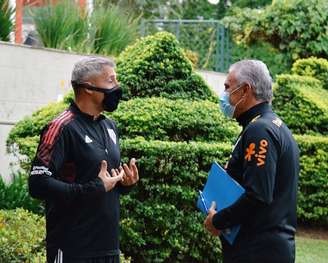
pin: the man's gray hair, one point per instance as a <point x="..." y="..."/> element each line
<point x="256" y="74"/>
<point x="88" y="67"/>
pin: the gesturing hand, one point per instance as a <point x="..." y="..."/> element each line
<point x="109" y="181"/>
<point x="131" y="174"/>
<point x="208" y="221"/>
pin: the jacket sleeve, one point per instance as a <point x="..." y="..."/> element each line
<point x="125" y="189"/>
<point x="44" y="180"/>
<point x="260" y="156"/>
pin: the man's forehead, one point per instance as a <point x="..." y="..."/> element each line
<point x="230" y="79"/>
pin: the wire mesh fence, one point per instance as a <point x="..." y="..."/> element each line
<point x="207" y="38"/>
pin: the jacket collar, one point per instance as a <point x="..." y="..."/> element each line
<point x="247" y="116"/>
<point x="74" y="108"/>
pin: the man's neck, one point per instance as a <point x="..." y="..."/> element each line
<point x="88" y="108"/>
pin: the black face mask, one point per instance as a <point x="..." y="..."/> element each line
<point x="112" y="96"/>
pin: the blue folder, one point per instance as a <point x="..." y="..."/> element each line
<point x="224" y="190"/>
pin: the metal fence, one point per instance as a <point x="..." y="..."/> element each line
<point x="207" y="38"/>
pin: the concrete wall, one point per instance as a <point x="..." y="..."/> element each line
<point x="214" y="79"/>
<point x="31" y="78"/>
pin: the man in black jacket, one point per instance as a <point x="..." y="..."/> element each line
<point x="265" y="161"/>
<point x="77" y="170"/>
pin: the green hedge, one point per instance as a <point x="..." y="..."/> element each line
<point x="313" y="185"/>
<point x="151" y="118"/>
<point x="174" y="120"/>
<point x="21" y="237"/>
<point x="312" y="67"/>
<point x="157" y="66"/>
<point x="164" y="200"/>
<point x="302" y="103"/>
<point x="160" y="222"/>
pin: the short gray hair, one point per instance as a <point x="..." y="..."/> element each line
<point x="88" y="67"/>
<point x="256" y="74"/>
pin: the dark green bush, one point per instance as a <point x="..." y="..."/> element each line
<point x="174" y="120"/>
<point x="151" y="118"/>
<point x="302" y="103"/>
<point x="157" y="66"/>
<point x="312" y="67"/>
<point x="21" y="237"/>
<point x="160" y="222"/>
<point x="15" y="195"/>
<point x="171" y="173"/>
<point x="313" y="186"/>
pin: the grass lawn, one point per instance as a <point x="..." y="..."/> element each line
<point x="310" y="250"/>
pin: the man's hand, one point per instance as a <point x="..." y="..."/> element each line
<point x="131" y="174"/>
<point x="109" y="181"/>
<point x="208" y="221"/>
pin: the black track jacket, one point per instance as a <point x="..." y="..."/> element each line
<point x="81" y="218"/>
<point x="265" y="161"/>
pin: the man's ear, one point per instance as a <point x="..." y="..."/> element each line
<point x="88" y="91"/>
<point x="247" y="89"/>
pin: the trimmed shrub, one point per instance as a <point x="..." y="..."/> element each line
<point x="302" y="103"/>
<point x="173" y="120"/>
<point x="157" y="66"/>
<point x="313" y="186"/>
<point x="22" y="236"/>
<point x="151" y="118"/>
<point x="312" y="67"/>
<point x="171" y="173"/>
<point x="15" y="195"/>
<point x="165" y="201"/>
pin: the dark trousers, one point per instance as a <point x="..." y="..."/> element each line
<point x="264" y="248"/>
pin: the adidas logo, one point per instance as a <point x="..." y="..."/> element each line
<point x="87" y="139"/>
